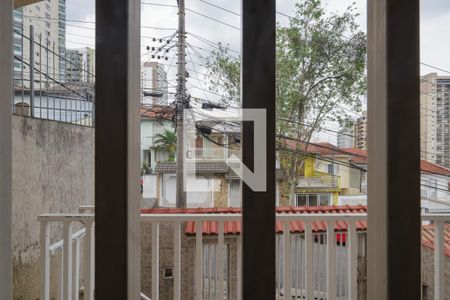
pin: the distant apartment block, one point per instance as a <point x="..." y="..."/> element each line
<point x="80" y="66"/>
<point x="361" y="132"/>
<point x="346" y="137"/>
<point x="154" y="84"/>
<point x="49" y="26"/>
<point x="435" y="118"/>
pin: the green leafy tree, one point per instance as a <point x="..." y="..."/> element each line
<point x="166" y="141"/>
<point x="320" y="76"/>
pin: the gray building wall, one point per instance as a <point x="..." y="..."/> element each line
<point x="53" y="172"/>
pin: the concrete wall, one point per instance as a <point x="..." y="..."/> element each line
<point x="53" y="172"/>
<point x="428" y="274"/>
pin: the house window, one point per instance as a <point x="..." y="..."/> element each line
<point x="234" y="193"/>
<point x="333" y="169"/>
<point x="313" y="199"/>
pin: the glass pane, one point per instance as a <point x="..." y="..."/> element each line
<point x="302" y="200"/>
<point x="313" y="200"/>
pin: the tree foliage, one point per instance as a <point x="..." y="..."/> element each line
<point x="320" y="75"/>
<point x="166" y="141"/>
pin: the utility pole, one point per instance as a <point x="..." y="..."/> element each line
<point x="181" y="102"/>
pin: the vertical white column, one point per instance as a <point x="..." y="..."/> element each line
<point x="198" y="260"/>
<point x="309" y="259"/>
<point x="239" y="268"/>
<point x="177" y="260"/>
<point x="331" y="261"/>
<point x="155" y="261"/>
<point x="352" y="246"/>
<point x="60" y="276"/>
<point x="287" y="260"/>
<point x="45" y="260"/>
<point x="277" y="267"/>
<point x="67" y="273"/>
<point x="89" y="266"/>
<point x="6" y="57"/>
<point x="220" y="262"/>
<point x="76" y="269"/>
<point x="439" y="261"/>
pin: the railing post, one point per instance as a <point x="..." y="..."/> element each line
<point x="287" y="260"/>
<point x="220" y="264"/>
<point x="239" y="268"/>
<point x="199" y="260"/>
<point x="331" y="261"/>
<point x="155" y="260"/>
<point x="352" y="246"/>
<point x="177" y="261"/>
<point x="89" y="266"/>
<point x="60" y="276"/>
<point x="439" y="261"/>
<point x="67" y="277"/>
<point x="309" y="261"/>
<point x="76" y="269"/>
<point x="45" y="260"/>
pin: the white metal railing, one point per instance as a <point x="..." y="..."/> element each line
<point x="318" y="182"/>
<point x="310" y="264"/>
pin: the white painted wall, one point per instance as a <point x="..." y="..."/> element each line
<point x="149" y="190"/>
<point x="197" y="197"/>
<point x="150" y="128"/>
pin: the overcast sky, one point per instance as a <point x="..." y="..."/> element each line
<point x="435" y="31"/>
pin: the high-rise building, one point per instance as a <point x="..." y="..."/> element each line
<point x="154" y="84"/>
<point x="346" y="137"/>
<point x="361" y="132"/>
<point x="80" y="65"/>
<point x="74" y="66"/>
<point x="435" y="118"/>
<point x="48" y="19"/>
<point x="428" y="117"/>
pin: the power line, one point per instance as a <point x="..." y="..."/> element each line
<point x="436" y="68"/>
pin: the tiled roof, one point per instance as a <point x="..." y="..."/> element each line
<point x="157" y="112"/>
<point x="211" y="228"/>
<point x="314" y="148"/>
<point x="360" y="157"/>
<point x="204" y="167"/>
<point x="428" y="237"/>
<point x="428" y="167"/>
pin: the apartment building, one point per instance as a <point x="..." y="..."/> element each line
<point x="428" y="117"/>
<point x="74" y="69"/>
<point x="346" y="137"/>
<point x="47" y="18"/>
<point x="435" y="118"/>
<point x="80" y="65"/>
<point x="361" y="132"/>
<point x="154" y="84"/>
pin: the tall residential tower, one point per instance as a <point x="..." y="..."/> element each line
<point x="435" y="118"/>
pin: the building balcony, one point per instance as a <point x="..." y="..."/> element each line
<point x="318" y="182"/>
<point x="218" y="153"/>
<point x="318" y="255"/>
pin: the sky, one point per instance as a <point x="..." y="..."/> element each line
<point x="161" y="22"/>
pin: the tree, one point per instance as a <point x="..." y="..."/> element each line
<point x="166" y="141"/>
<point x="320" y="76"/>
